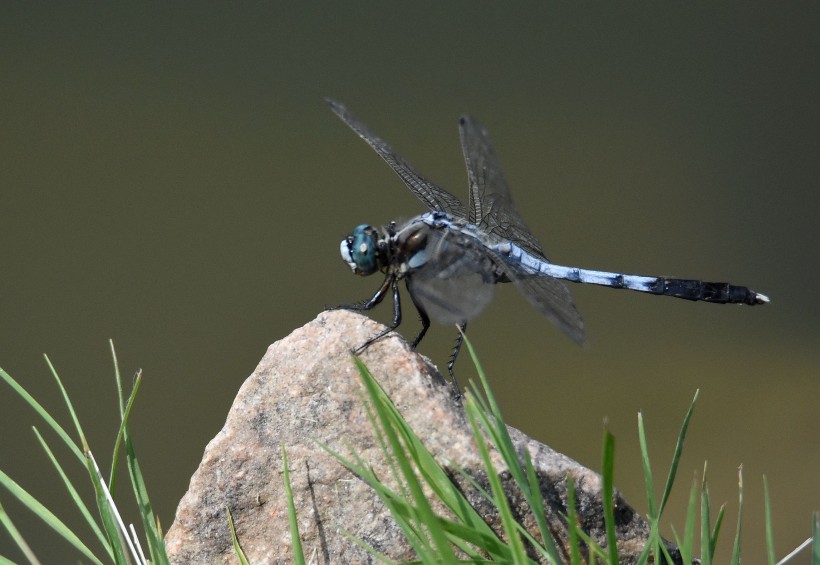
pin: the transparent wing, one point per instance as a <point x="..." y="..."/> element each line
<point x="490" y="203"/>
<point x="434" y="197"/>
<point x="491" y="208"/>
<point x="553" y="299"/>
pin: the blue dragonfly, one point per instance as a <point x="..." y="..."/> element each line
<point x="451" y="257"/>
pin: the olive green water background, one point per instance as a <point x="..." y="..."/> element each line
<point x="171" y="178"/>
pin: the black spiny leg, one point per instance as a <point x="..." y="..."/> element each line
<point x="389" y="282"/>
<point x="374" y="301"/>
<point x="425" y="319"/>
<point x="454" y="355"/>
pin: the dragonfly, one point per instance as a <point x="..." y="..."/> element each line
<point x="452" y="257"/>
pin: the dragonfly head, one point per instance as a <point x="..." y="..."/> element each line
<point x="360" y="250"/>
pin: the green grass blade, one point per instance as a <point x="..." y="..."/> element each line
<point x="109" y="513"/>
<point x="608" y="478"/>
<point x="767" y="508"/>
<point x="156" y="546"/>
<point x="530" y="488"/>
<point x="398" y="504"/>
<point x="373" y="552"/>
<point x="17" y="537"/>
<point x="665" y="553"/>
<point x="395" y="431"/>
<point x="705" y="528"/>
<point x="596" y="553"/>
<point x="46" y="516"/>
<point x="716" y="530"/>
<point x="435" y="477"/>
<point x="647" y="470"/>
<point x="150" y="523"/>
<point x="673" y="469"/>
<point x="536" y="501"/>
<point x="686" y="545"/>
<point x="382" y="441"/>
<point x="43" y="413"/>
<point x="469" y="527"/>
<point x="298" y="554"/>
<point x="653" y="542"/>
<point x="118" y="378"/>
<point x="114" y="536"/>
<point x="498" y="432"/>
<point x="685" y="558"/>
<point x="492" y="405"/>
<point x="524" y="478"/>
<point x="237" y="548"/>
<point x="519" y="555"/>
<point x="68" y="404"/>
<point x="124" y="414"/>
<point x="736" y="545"/>
<point x="489" y="541"/>
<point x="75" y="496"/>
<point x="654" y="546"/>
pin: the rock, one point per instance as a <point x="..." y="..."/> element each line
<point x="307" y="391"/>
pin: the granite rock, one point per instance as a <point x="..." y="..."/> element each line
<point x="305" y="392"/>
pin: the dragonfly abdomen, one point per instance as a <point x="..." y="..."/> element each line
<point x="688" y="289"/>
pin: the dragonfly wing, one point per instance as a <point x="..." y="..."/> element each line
<point x="549" y="296"/>
<point x="490" y="205"/>
<point x="434" y="197"/>
<point x="492" y="209"/>
<point x="553" y="299"/>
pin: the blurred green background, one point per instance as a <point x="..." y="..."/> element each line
<point x="171" y="179"/>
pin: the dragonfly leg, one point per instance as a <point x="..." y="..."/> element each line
<point x="425" y="321"/>
<point x="454" y="355"/>
<point x="372" y="302"/>
<point x="425" y="325"/>
<point x="390" y="282"/>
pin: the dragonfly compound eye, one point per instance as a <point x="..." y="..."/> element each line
<point x="358" y="250"/>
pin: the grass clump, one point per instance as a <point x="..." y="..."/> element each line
<point x="460" y="536"/>
<point x="111" y="539"/>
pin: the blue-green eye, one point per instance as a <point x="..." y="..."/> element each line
<point x="358" y="250"/>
